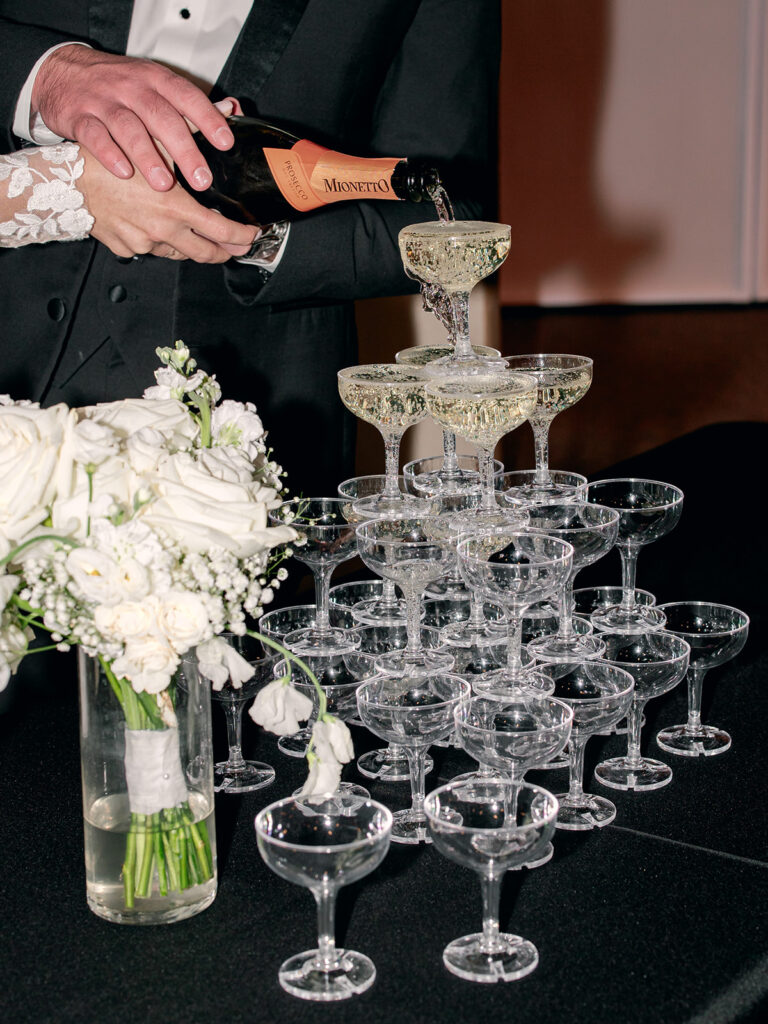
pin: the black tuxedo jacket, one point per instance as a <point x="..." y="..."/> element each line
<point x="381" y="77"/>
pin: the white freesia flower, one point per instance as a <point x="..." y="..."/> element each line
<point x="183" y="620"/>
<point x="332" y="746"/>
<point x="149" y="662"/>
<point x="30" y="440"/>
<point x="219" y="661"/>
<point x="279" y="708"/>
<point x="323" y="778"/>
<point x="13" y="646"/>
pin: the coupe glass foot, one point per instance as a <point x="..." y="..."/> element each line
<point x="645" y="774"/>
<point x="407" y="829"/>
<point x="377" y="611"/>
<point x="704" y="741"/>
<point x="305" y="976"/>
<point x="309" y="643"/>
<point x="386" y="766"/>
<point x="562" y="649"/>
<point x="295" y="745"/>
<point x="546" y="856"/>
<point x="242" y="778"/>
<point x="640" y="618"/>
<point x="500" y="684"/>
<point x="590" y="812"/>
<point x="396" y="664"/>
<point x="509" y="957"/>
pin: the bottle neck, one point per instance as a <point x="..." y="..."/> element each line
<point x="416" y="181"/>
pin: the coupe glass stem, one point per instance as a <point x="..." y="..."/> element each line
<point x="485" y="463"/>
<point x="566" y="605"/>
<point x="576" y="747"/>
<point x="391" y="464"/>
<point x="476" y="618"/>
<point x="450" y="468"/>
<point x="628" y="571"/>
<point x="412" y="650"/>
<point x="695" y="680"/>
<point x="388" y="595"/>
<point x="327" y="954"/>
<point x="234" y="712"/>
<point x="462" y="348"/>
<point x="416" y="761"/>
<point x="634" y="727"/>
<point x="491" y="889"/>
<point x="514" y="641"/>
<point x="323" y="575"/>
<point x="541" y="445"/>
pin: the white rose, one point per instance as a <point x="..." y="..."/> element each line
<point x="112" y="483"/>
<point x="95" y="574"/>
<point x="93" y="442"/>
<point x="128" y="620"/>
<point x="279" y="708"/>
<point x="148" y="662"/>
<point x="229" y="464"/>
<point x="145" y="449"/>
<point x="219" y="662"/>
<point x="130" y="415"/>
<point x="30" y="441"/>
<point x="201" y="512"/>
<point x="183" y="620"/>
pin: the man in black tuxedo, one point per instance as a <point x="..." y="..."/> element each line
<point x="412" y="78"/>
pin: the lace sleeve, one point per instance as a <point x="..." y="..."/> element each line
<point x="39" y="198"/>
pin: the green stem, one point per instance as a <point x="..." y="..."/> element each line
<point x="162" y="878"/>
<point x="129" y="864"/>
<point x="289" y="656"/>
<point x="145" y="872"/>
<point x="12" y="555"/>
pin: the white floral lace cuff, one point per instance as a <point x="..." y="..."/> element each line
<point x="55" y="208"/>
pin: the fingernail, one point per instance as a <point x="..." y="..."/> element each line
<point x="123" y="168"/>
<point x="223" y="137"/>
<point x="160" y="178"/>
<point x="201" y="178"/>
<point x="225" y="107"/>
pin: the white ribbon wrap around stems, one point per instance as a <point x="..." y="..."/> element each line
<point x="153" y="770"/>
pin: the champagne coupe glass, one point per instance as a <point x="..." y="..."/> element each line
<point x="592" y="530"/>
<point x="562" y="381"/>
<point x="279" y="622"/>
<point x="482" y="409"/>
<point x="326" y="540"/>
<point x="338" y="675"/>
<point x="648" y="510"/>
<point x="716" y="633"/>
<point x="236" y="774"/>
<point x="657" y="661"/>
<point x="412" y="553"/>
<point x="421" y="355"/>
<point x="589" y="599"/>
<point x="454" y="256"/>
<point x="391" y="397"/>
<point x="425" y="475"/>
<point x="599" y="696"/>
<point x="515" y="569"/>
<point x="384" y="606"/>
<point x="490" y="826"/>
<point x="390" y="763"/>
<point x="519" y="485"/>
<point x="414" y="711"/>
<point x="323" y="846"/>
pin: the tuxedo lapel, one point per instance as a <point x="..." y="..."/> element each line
<point x="259" y="47"/>
<point x="110" y="21"/>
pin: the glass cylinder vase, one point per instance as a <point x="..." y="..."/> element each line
<point x="148" y="804"/>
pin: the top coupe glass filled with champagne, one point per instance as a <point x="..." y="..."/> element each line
<point x="455" y="255"/>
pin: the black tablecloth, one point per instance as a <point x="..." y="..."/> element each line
<point x="659" y="918"/>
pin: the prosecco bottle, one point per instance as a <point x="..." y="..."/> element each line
<point x="270" y="174"/>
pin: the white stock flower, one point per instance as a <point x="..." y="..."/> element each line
<point x="148" y="661"/>
<point x="237" y="423"/>
<point x="279" y="708"/>
<point x="183" y="620"/>
<point x="172" y="384"/>
<point x="219" y="661"/>
<point x="30" y="440"/>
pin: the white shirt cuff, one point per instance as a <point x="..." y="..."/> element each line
<point x="37" y="132"/>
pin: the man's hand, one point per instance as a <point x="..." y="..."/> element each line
<point x="132" y="218"/>
<point x="115" y="106"/>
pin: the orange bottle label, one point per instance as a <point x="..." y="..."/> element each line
<point x="309" y="176"/>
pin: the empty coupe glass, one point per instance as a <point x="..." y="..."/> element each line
<point x="657" y="662"/>
<point x="236" y="774"/>
<point x="588" y="599"/>
<point x="599" y="696"/>
<point x="648" y="509"/>
<point x="324" y="846"/>
<point x="716" y="633"/>
<point x="326" y="540"/>
<point x="520" y="485"/>
<point x="592" y="530"/>
<point x="413" y="712"/>
<point x="490" y="826"/>
<point x="515" y="569"/>
<point x="411" y="553"/>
